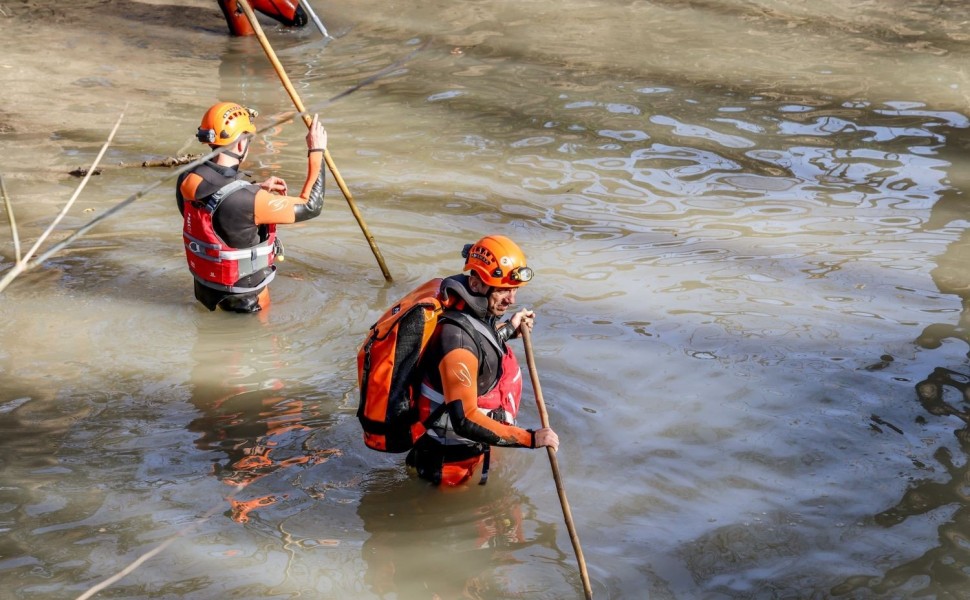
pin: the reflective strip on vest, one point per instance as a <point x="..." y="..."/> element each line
<point x="441" y="429"/>
<point x="235" y="289"/>
<point x="197" y="247"/>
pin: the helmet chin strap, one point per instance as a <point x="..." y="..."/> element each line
<point x="240" y="156"/>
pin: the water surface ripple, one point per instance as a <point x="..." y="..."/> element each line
<point x="749" y="230"/>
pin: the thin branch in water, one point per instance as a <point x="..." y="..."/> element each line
<point x="378" y="75"/>
<point x="157" y="549"/>
<point x="13" y="222"/>
<point x="60" y="216"/>
<point x="22" y="265"/>
<point x="86" y="227"/>
<point x="81" y="172"/>
<point x="168" y="161"/>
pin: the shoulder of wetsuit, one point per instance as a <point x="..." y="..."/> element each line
<point x="475" y="332"/>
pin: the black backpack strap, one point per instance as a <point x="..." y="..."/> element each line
<point x="434" y="416"/>
<point x="215" y="199"/>
<point x="485" y="461"/>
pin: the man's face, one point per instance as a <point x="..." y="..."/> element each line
<point x="500" y="300"/>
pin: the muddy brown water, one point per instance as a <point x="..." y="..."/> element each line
<point x="748" y="224"/>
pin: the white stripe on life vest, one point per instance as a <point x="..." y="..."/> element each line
<point x="243" y="254"/>
<point x="436" y="398"/>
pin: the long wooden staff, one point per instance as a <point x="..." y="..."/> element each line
<point x="544" y="419"/>
<point x="307" y="119"/>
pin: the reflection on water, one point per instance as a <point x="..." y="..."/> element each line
<point x="937" y="571"/>
<point x="471" y="542"/>
<point x="248" y="413"/>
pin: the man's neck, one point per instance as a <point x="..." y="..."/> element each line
<point x="224" y="160"/>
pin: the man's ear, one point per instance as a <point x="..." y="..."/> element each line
<point x="476" y="284"/>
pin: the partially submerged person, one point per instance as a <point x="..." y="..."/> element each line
<point x="471" y="377"/>
<point x="229" y="224"/>
<point x="286" y="12"/>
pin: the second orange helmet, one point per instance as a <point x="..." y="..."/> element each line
<point x="224" y="122"/>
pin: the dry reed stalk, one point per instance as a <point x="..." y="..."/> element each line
<point x="13" y="222"/>
<point x="157" y="549"/>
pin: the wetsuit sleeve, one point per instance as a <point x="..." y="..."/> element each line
<point x="459" y="380"/>
<point x="187" y="189"/>
<point x="272" y="209"/>
<point x="179" y="199"/>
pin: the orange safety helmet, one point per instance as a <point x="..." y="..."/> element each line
<point x="224" y="122"/>
<point x="498" y="261"/>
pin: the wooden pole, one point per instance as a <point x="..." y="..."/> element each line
<point x="544" y="419"/>
<point x="307" y="119"/>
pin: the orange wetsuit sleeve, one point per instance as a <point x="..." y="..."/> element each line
<point x="271" y="209"/>
<point x="459" y="380"/>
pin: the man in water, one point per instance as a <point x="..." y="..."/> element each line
<point x="229" y="224"/>
<point x="472" y="384"/>
<point x="287" y="12"/>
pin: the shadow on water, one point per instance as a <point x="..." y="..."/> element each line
<point x="887" y="32"/>
<point x="549" y="69"/>
<point x="167" y="21"/>
<point x="944" y="392"/>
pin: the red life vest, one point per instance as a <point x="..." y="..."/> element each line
<point x="287" y="12"/>
<point x="507" y="393"/>
<point x="214" y="263"/>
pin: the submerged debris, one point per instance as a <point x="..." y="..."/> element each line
<point x="171" y="161"/>
<point x="82" y="171"/>
<point x="168" y="161"/>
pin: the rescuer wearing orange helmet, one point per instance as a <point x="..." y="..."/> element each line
<point x="472" y="380"/>
<point x="229" y="224"/>
<point x="286" y="12"/>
